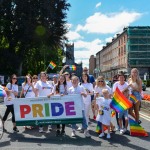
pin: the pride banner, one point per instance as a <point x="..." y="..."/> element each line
<point x="55" y="110"/>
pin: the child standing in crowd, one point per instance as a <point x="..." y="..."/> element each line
<point x="123" y="114"/>
<point x="76" y="89"/>
<point x="104" y="115"/>
<point x="8" y="100"/>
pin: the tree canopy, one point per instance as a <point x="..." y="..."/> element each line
<point x="31" y="34"/>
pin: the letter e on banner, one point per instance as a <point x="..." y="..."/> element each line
<point x="24" y="109"/>
<point x="69" y="106"/>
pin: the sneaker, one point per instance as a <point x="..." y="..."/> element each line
<point x="40" y="129"/>
<point x="80" y="130"/>
<point x="117" y="129"/>
<point x="15" y="129"/>
<point x="49" y="127"/>
<point x="87" y="134"/>
<point x="121" y="131"/>
<point x="57" y="132"/>
<point x="124" y="130"/>
<point x="108" y="136"/>
<point x="73" y="134"/>
<point x="94" y="117"/>
<point x="62" y="133"/>
<point x="139" y="122"/>
<point x="101" y="135"/>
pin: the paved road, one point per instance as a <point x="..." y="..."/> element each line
<point x="32" y="140"/>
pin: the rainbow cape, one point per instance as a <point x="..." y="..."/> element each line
<point x="119" y="102"/>
<point x="72" y="67"/>
<point x="133" y="99"/>
<point x="52" y="65"/>
<point x="136" y="129"/>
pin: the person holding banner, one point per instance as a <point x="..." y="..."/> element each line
<point x="89" y="90"/>
<point x="60" y="88"/>
<point x="77" y="89"/>
<point x="42" y="89"/>
<point x="8" y="100"/>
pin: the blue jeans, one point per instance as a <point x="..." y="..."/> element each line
<point x="84" y="122"/>
<point x="137" y="95"/>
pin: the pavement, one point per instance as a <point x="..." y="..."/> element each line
<point x="31" y="139"/>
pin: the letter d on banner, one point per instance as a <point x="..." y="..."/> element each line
<point x="60" y="109"/>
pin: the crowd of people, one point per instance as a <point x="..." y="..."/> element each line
<point x="96" y="95"/>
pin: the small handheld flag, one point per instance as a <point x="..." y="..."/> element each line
<point x="136" y="129"/>
<point x="72" y="67"/>
<point x="52" y="65"/>
<point x="133" y="99"/>
<point x="113" y="113"/>
<point x="120" y="102"/>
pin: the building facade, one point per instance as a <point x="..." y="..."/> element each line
<point x="92" y="65"/>
<point x="130" y="49"/>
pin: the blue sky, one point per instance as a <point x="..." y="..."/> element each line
<point x="92" y="23"/>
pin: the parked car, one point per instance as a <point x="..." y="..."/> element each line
<point x="143" y="86"/>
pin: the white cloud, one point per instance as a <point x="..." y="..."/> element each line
<point x="108" y="23"/>
<point x="98" y="5"/>
<point x="72" y="35"/>
<point x="83" y="50"/>
<point x="108" y="39"/>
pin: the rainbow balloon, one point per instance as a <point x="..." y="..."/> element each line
<point x="136" y="129"/>
<point x="119" y="102"/>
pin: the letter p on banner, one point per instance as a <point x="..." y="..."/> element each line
<point x="24" y="109"/>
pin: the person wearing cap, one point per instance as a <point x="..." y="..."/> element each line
<point x="122" y="85"/>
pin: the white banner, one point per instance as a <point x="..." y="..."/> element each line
<point x="43" y="110"/>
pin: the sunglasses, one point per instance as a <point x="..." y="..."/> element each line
<point x="35" y="78"/>
<point x="100" y="81"/>
<point x="67" y="74"/>
<point x="14" y="78"/>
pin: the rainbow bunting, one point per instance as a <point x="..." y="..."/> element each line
<point x="119" y="102"/>
<point x="72" y="67"/>
<point x="52" y="65"/>
<point x="99" y="127"/>
<point x="136" y="129"/>
<point x="133" y="99"/>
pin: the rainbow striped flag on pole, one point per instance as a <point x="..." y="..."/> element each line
<point x="136" y="129"/>
<point x="119" y="102"/>
<point x="133" y="99"/>
<point x="52" y="65"/>
<point x="72" y="67"/>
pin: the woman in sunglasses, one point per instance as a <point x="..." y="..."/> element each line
<point x="34" y="79"/>
<point x="8" y="100"/>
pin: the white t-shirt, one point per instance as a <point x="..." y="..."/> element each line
<point x="13" y="87"/>
<point x="69" y="84"/>
<point x="77" y="90"/>
<point x="99" y="89"/>
<point x="62" y="89"/>
<point x="104" y="105"/>
<point x="44" y="88"/>
<point x="120" y="87"/>
<point x="30" y="92"/>
<point x="88" y="88"/>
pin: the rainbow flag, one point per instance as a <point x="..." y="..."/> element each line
<point x="52" y="65"/>
<point x="99" y="127"/>
<point x="136" y="129"/>
<point x="119" y="102"/>
<point x="72" y="67"/>
<point x="2" y="92"/>
<point x="133" y="99"/>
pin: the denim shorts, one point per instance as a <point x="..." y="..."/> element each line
<point x="137" y="95"/>
<point x="123" y="113"/>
